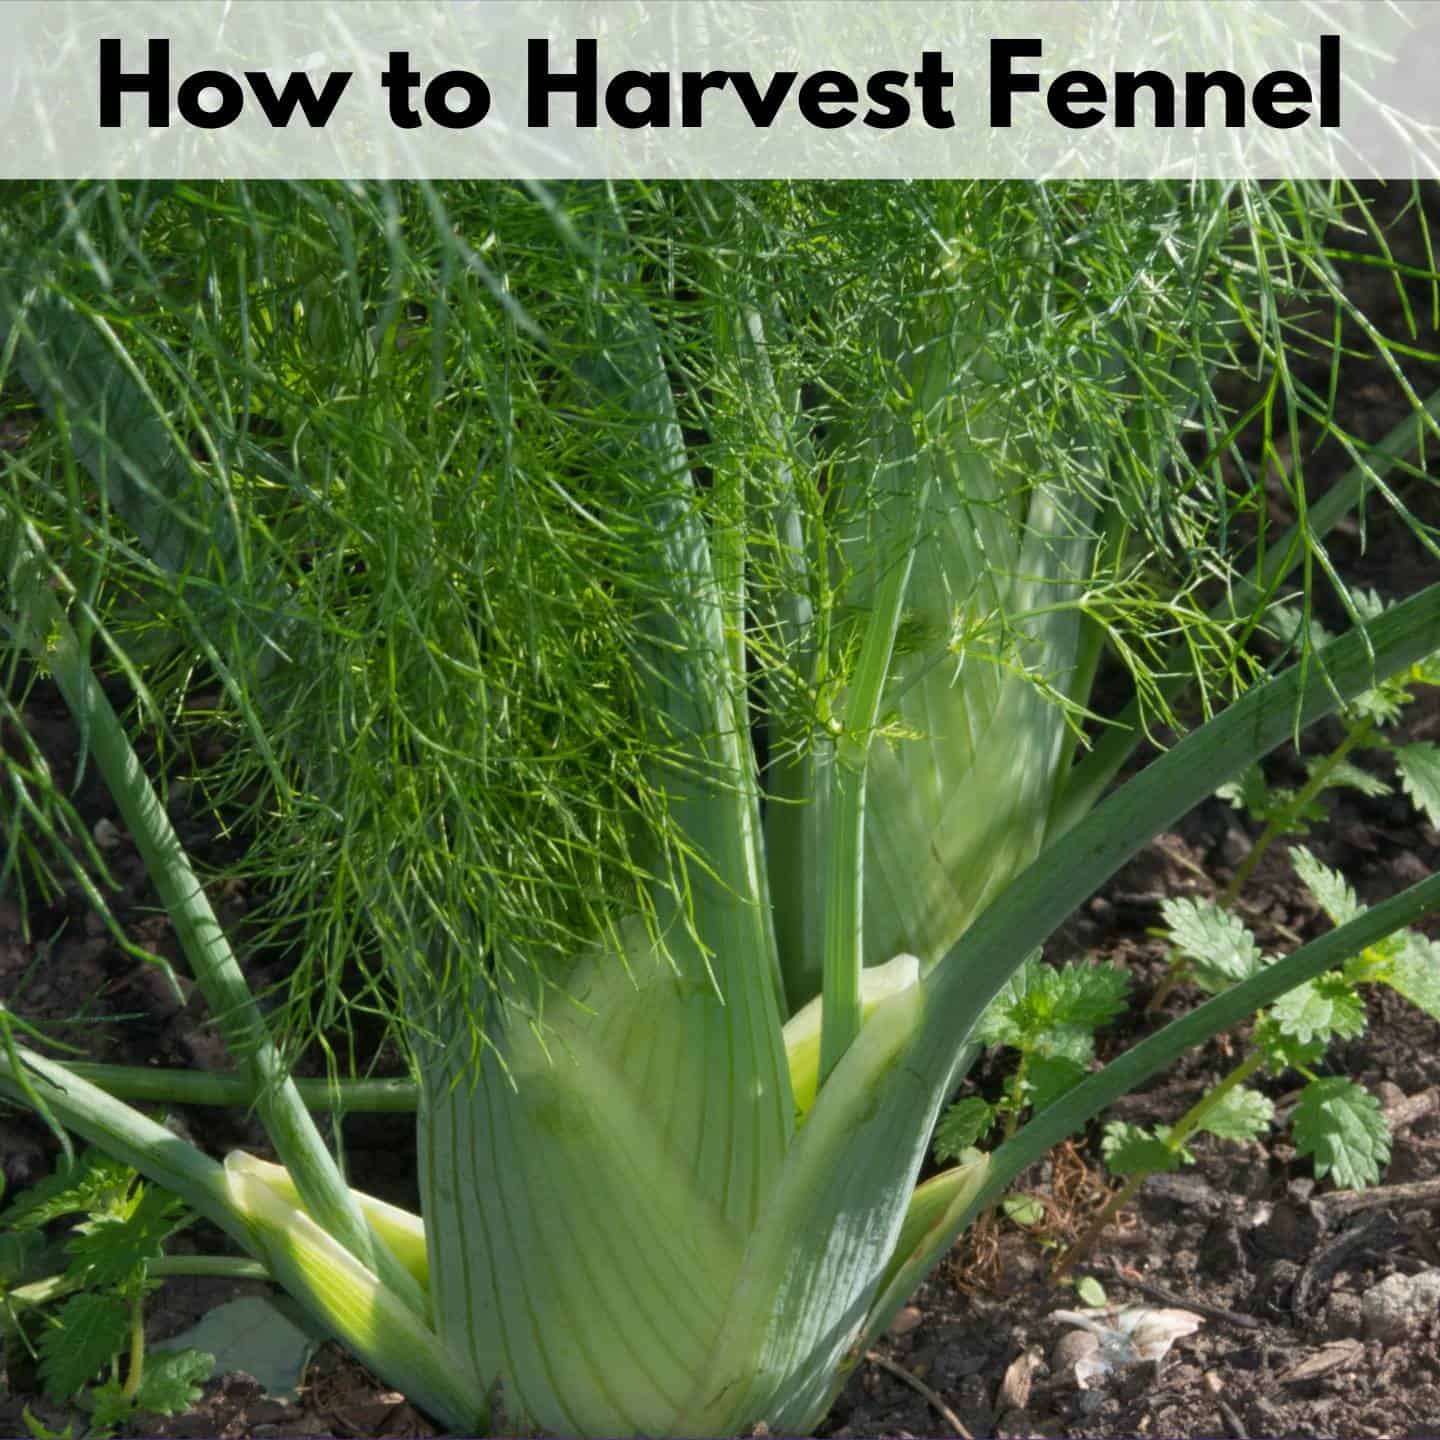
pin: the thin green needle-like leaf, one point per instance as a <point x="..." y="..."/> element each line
<point x="638" y="573"/>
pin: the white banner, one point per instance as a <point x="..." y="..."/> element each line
<point x="239" y="89"/>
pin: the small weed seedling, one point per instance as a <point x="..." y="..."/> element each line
<point x="1049" y="1016"/>
<point x="92" y="1311"/>
<point x="1336" y="1121"/>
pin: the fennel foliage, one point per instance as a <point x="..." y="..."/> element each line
<point x="635" y="616"/>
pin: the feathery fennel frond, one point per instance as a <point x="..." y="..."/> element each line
<point x="398" y="489"/>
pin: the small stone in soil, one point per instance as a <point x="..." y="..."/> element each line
<point x="1019" y="1375"/>
<point x="1399" y="1306"/>
<point x="1070" y="1349"/>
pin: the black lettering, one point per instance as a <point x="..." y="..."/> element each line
<point x="399" y="79"/>
<point x="762" y="109"/>
<point x="828" y="87"/>
<point x="232" y="100"/>
<point x="1128" y="84"/>
<point x="1076" y="87"/>
<point x="694" y="86"/>
<point x="583" y="85"/>
<point x="889" y="109"/>
<point x="1329" y="81"/>
<point x="437" y="99"/>
<point x="297" y="92"/>
<point x="1281" y="87"/>
<point x="655" y="84"/>
<point x="1004" y="83"/>
<point x="1199" y="83"/>
<point x="154" y="83"/>
<point x="931" y="80"/>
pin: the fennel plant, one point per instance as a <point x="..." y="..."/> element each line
<point x="654" y="629"/>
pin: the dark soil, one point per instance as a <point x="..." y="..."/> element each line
<point x="1276" y="1265"/>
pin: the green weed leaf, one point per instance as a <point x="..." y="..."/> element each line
<point x="1341" y="1124"/>
<point x="172" y="1380"/>
<point x="1069" y="1045"/>
<point x="1049" y="1011"/>
<point x="1000" y="1023"/>
<point x="87" y="1332"/>
<point x="1369" y="603"/>
<point x="1248" y="792"/>
<point x="1130" y="1150"/>
<point x="1219" y="947"/>
<point x="1283" y="1051"/>
<point x="1345" y="776"/>
<point x="1086" y="995"/>
<point x="110" y="1408"/>
<point x="1241" y="1115"/>
<point x="95" y="1184"/>
<point x="1320" y="1009"/>
<point x="1023" y="1210"/>
<point x="961" y="1126"/>
<point x="1328" y="888"/>
<point x="1290" y="626"/>
<point x="1419" y="767"/>
<point x="1415" y="972"/>
<point x="111" y="1249"/>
